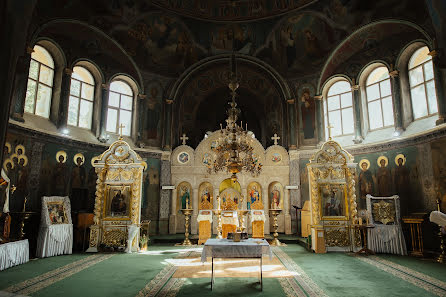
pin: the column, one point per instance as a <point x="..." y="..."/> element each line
<point x="286" y="212"/>
<point x="397" y="103"/>
<point x="214" y="217"/>
<point x="173" y="212"/>
<point x="439" y="87"/>
<point x="319" y="118"/>
<point x="167" y="145"/>
<point x="193" y="222"/>
<point x="64" y="98"/>
<point x="20" y="86"/>
<point x="140" y="136"/>
<point x="266" y="203"/>
<point x="292" y="123"/>
<point x="356" y="95"/>
<point x="165" y="195"/>
<point x="103" y="114"/>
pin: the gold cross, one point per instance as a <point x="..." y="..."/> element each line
<point x="120" y="130"/>
<point x="184" y="138"/>
<point x="275" y="138"/>
<point x="329" y="127"/>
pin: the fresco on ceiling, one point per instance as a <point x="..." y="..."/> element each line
<point x="242" y="38"/>
<point x="307" y="110"/>
<point x="152" y="118"/>
<point x="381" y="41"/>
<point x="160" y="43"/>
<point x="228" y="11"/>
<point x="437" y="10"/>
<point x="300" y="44"/>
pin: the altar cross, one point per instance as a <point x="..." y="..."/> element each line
<point x="184" y="139"/>
<point x="329" y="127"/>
<point x="120" y="130"/>
<point x="275" y="138"/>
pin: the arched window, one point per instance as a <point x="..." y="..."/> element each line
<point x="80" y="107"/>
<point x="379" y="99"/>
<point x="40" y="83"/>
<point x="339" y="109"/>
<point x="120" y="104"/>
<point x="422" y="84"/>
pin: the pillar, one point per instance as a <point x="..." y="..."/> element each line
<point x="165" y="195"/>
<point x="286" y="211"/>
<point x="266" y="209"/>
<point x="64" y="98"/>
<point x="173" y="213"/>
<point x="20" y="86"/>
<point x="397" y="102"/>
<point x="193" y="218"/>
<point x="319" y="118"/>
<point x="167" y="145"/>
<point x="103" y="113"/>
<point x="356" y="94"/>
<point x="292" y="123"/>
<point x="140" y="136"/>
<point x="439" y="87"/>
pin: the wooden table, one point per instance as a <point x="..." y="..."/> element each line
<point x="416" y="233"/>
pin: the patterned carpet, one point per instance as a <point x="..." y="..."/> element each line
<point x="173" y="271"/>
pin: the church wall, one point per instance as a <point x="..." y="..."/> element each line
<point x="44" y="176"/>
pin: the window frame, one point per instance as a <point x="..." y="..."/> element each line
<point x="38" y="82"/>
<point x="119" y="108"/>
<point x="424" y="83"/>
<point x="80" y="98"/>
<point x="380" y="98"/>
<point x="328" y="97"/>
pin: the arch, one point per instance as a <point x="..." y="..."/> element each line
<point x="365" y="71"/>
<point x="91" y="66"/>
<point x="36" y="33"/>
<point x="357" y="31"/>
<point x="229" y="183"/>
<point x="205" y="195"/>
<point x="204" y="63"/>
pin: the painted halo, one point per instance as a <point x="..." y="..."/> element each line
<point x="20" y="147"/>
<point x="77" y="156"/>
<point x="25" y="158"/>
<point x="6" y="163"/>
<point x="364" y="161"/>
<point x="183" y="157"/>
<point x="382" y="158"/>
<point x="8" y="146"/>
<point x="94" y="159"/>
<point x="61" y="153"/>
<point x="400" y="156"/>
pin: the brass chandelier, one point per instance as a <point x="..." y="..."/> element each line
<point x="233" y="149"/>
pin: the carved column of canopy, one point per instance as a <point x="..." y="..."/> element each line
<point x="331" y="174"/>
<point x="117" y="209"/>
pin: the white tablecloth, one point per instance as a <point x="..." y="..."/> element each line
<point x="55" y="240"/>
<point x="205" y="215"/>
<point x="14" y="253"/>
<point x="224" y="248"/>
<point x="257" y="215"/>
<point x="387" y="239"/>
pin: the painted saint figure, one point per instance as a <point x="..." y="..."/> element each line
<point x="118" y="205"/>
<point x="275" y="198"/>
<point x="333" y="204"/>
<point x="185" y="197"/>
<point x="365" y="183"/>
<point x="308" y="111"/>
<point x="79" y="193"/>
<point x="383" y="178"/>
<point x="401" y="177"/>
<point x="254" y="196"/>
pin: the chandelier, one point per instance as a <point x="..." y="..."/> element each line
<point x="233" y="151"/>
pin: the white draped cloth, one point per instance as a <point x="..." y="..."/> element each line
<point x="386" y="238"/>
<point x="205" y="215"/>
<point x="225" y="248"/>
<point x="132" y="231"/>
<point x="229" y="217"/>
<point x="257" y="215"/>
<point x="55" y="239"/>
<point x="438" y="218"/>
<point x="14" y="253"/>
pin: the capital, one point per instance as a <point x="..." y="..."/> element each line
<point x="394" y="73"/>
<point x="318" y="97"/>
<point x="291" y="101"/>
<point x="355" y="87"/>
<point x="142" y="96"/>
<point x="433" y="53"/>
<point x="169" y="101"/>
<point x="68" y="71"/>
<point x="105" y="86"/>
<point x="29" y="50"/>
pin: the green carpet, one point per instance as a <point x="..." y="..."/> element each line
<point x="150" y="274"/>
